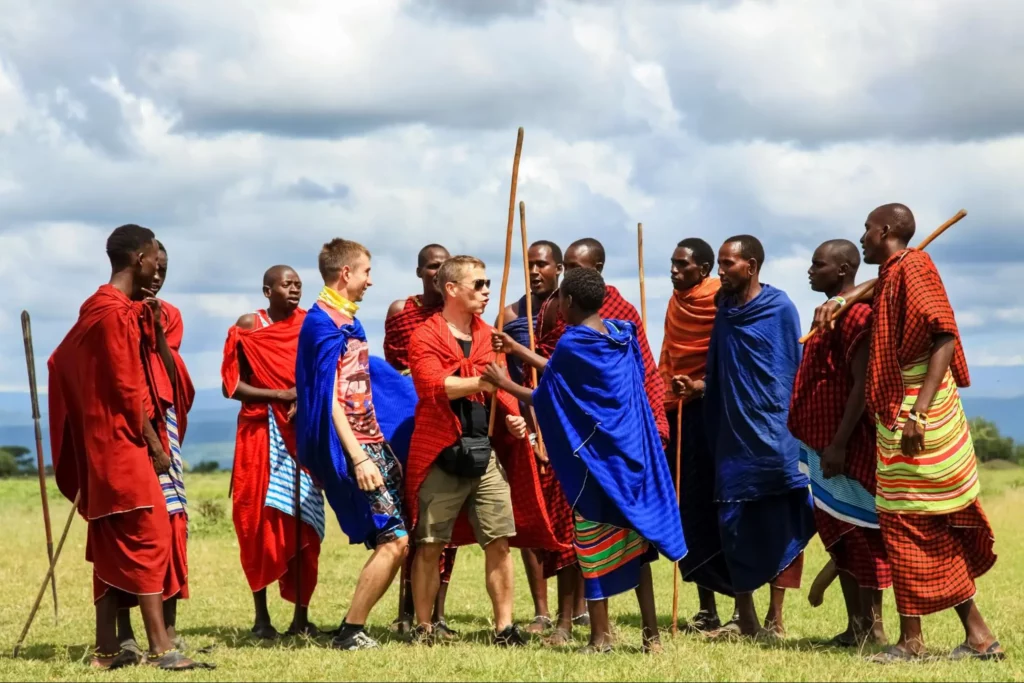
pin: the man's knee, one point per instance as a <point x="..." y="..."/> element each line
<point x="428" y="554"/>
<point x="497" y="548"/>
<point x="397" y="549"/>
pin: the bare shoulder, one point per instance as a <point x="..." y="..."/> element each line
<point x="247" y="321"/>
<point x="396" y="307"/>
<point x="511" y="313"/>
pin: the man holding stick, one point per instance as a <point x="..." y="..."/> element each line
<point x="936" y="533"/>
<point x="684" y="352"/>
<point x="259" y="371"/>
<point x="109" y="443"/>
<point x="168" y="364"/>
<point x="461" y="484"/>
<point x="765" y="515"/>
<point x="606" y="452"/>
<point x="544" y="260"/>
<point x="827" y="414"/>
<point x="403" y="318"/>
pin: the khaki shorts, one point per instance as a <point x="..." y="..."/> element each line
<point x="488" y="501"/>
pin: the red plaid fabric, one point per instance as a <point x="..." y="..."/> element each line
<point x="561" y="523"/>
<point x="822" y="388"/>
<point x="791" y="577"/>
<point x="936" y="558"/>
<point x="398" y="331"/>
<point x="615" y="308"/>
<point x="858" y="551"/>
<point x="911" y="308"/>
<point x="434" y="355"/>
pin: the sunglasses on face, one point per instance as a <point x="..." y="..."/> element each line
<point x="477" y="285"/>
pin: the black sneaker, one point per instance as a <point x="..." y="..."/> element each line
<point x="510" y="637"/>
<point x="359" y="640"/>
<point x="421" y="635"/>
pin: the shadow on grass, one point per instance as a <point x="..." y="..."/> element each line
<point x="45" y="652"/>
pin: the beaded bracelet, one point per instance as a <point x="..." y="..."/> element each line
<point x="919" y="418"/>
<point x="839" y="300"/>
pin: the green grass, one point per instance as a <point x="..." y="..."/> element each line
<point x="219" y="614"/>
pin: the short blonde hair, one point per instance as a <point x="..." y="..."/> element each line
<point x="337" y="254"/>
<point x="455" y="268"/>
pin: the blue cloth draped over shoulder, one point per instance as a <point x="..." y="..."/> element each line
<point x="752" y="364"/>
<point x="321" y="344"/>
<point x="394" y="402"/>
<point x="597" y="424"/>
<point x="519" y="330"/>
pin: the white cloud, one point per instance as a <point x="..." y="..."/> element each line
<point x="248" y="134"/>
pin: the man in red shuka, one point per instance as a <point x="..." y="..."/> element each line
<point x="109" y="442"/>
<point x="169" y="328"/>
<point x="259" y="371"/>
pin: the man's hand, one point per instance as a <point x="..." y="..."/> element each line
<point x="516" y="425"/>
<point x="161" y="461"/>
<point x="823" y="315"/>
<point x="154" y="305"/>
<point x="494" y="375"/>
<point x="502" y="342"/>
<point x="291" y="411"/>
<point x="368" y="475"/>
<point x="833" y="461"/>
<point x="286" y="395"/>
<point x="913" y="438"/>
<point x="538" y="452"/>
<point x="684" y="387"/>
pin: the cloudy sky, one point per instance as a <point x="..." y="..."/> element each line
<point x="247" y="133"/>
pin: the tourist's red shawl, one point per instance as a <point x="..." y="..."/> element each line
<point x="435" y="355"/>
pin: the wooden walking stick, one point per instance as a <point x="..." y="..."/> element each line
<point x="49" y="573"/>
<point x="30" y="359"/>
<point x="541" y="452"/>
<point x="640" y="257"/>
<point x="679" y="479"/>
<point x="298" y="534"/>
<point x="870" y="291"/>
<point x="508" y="258"/>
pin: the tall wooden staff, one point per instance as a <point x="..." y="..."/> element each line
<point x="30" y="359"/>
<point x="49" y="574"/>
<point x="679" y="480"/>
<point x="508" y="258"/>
<point x="640" y="257"/>
<point x="870" y="291"/>
<point x="541" y="452"/>
<point x="298" y="531"/>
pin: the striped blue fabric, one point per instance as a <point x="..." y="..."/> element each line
<point x="842" y="497"/>
<point x="281" y="490"/>
<point x="172" y="482"/>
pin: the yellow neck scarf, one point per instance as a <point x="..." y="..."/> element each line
<point x="335" y="300"/>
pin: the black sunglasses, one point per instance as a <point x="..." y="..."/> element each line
<point x="478" y="285"/>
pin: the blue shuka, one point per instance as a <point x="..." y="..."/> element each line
<point x="764" y="505"/>
<point x="321" y="344"/>
<point x="603" y="444"/>
<point x="519" y="329"/>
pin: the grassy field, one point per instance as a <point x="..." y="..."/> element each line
<point x="219" y="614"/>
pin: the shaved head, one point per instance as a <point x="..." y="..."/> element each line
<point x="431" y="252"/>
<point x="900" y="220"/>
<point x="842" y="252"/>
<point x="275" y="273"/>
<point x="585" y="253"/>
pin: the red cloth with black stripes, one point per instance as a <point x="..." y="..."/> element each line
<point x="434" y="356"/>
<point x="911" y="308"/>
<point x="822" y="388"/>
<point x="856" y="550"/>
<point x="551" y="326"/>
<point x="936" y="558"/>
<point x="399" y="328"/>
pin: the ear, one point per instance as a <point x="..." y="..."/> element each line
<point x="560" y="268"/>
<point x="886" y="229"/>
<point x="599" y="266"/>
<point x="753" y="265"/>
<point x="266" y="291"/>
<point x="705" y="269"/>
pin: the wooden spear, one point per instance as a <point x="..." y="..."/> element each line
<point x="508" y="258"/>
<point x="869" y="292"/>
<point x="679" y="479"/>
<point x="640" y="257"/>
<point x="49" y="573"/>
<point x="541" y="452"/>
<point x="30" y="359"/>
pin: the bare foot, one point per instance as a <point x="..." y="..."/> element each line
<point x="540" y="623"/>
